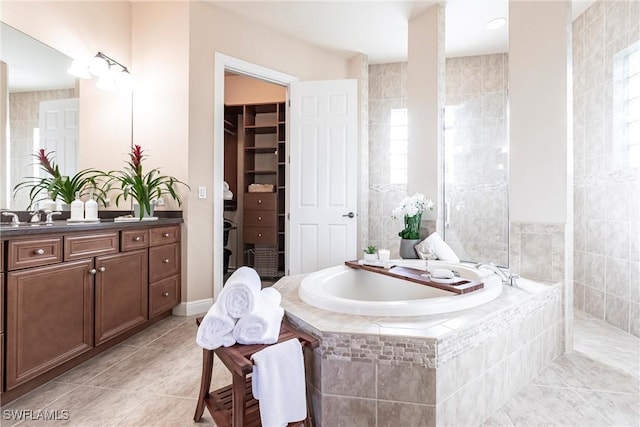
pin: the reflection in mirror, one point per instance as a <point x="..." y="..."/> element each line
<point x="42" y="99"/>
<point x="476" y="142"/>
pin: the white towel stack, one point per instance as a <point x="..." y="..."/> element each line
<point x="262" y="326"/>
<point x="240" y="292"/>
<point x="442" y="250"/>
<point x="278" y="383"/>
<point x="243" y="313"/>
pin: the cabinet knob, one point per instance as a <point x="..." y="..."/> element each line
<point x="165" y="234"/>
<point x="93" y="271"/>
<point x="102" y="269"/>
<point x="39" y="251"/>
<point x="166" y="260"/>
<point x="165" y="294"/>
<point x="136" y="239"/>
<point x="259" y="234"/>
<point x="259" y="218"/>
<point x="259" y="201"/>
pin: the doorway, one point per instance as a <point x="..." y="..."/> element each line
<point x="254" y="176"/>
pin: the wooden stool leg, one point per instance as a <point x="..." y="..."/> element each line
<point x="239" y="399"/>
<point x="205" y="382"/>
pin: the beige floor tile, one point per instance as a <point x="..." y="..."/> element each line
<point x="619" y="409"/>
<point x="35" y="400"/>
<point x="93" y="367"/>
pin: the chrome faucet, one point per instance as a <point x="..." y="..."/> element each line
<point x="35" y="216"/>
<point x="504" y="274"/>
<point x="14" y="217"/>
<point x="50" y="215"/>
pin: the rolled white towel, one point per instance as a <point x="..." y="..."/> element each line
<point x="240" y="292"/>
<point x="216" y="328"/>
<point x="262" y="326"/>
<point x="442" y="250"/>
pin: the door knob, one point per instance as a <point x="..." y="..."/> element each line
<point x="350" y="215"/>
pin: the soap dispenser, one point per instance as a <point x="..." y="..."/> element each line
<point x="77" y="209"/>
<point x="91" y="209"/>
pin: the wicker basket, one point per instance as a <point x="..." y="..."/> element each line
<point x="264" y="259"/>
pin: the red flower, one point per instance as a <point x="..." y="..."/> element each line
<point x="136" y="159"/>
<point x="46" y="163"/>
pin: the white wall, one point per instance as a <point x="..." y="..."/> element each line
<point x="538" y="108"/>
<point x="425" y="99"/>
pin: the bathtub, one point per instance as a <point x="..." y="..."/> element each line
<point x="343" y="289"/>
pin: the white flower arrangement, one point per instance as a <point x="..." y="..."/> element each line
<point x="411" y="208"/>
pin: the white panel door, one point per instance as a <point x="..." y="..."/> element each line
<point x="322" y="174"/>
<point x="58" y="123"/>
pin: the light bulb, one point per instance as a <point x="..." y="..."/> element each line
<point x="496" y="23"/>
<point x="124" y="80"/>
<point x="98" y="66"/>
<point x="79" y="68"/>
<point x="106" y="82"/>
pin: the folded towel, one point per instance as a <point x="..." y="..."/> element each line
<point x="216" y="328"/>
<point x="240" y="292"/>
<point x="262" y="326"/>
<point x="442" y="250"/>
<point x="278" y="382"/>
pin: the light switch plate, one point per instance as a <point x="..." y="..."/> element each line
<point x="202" y="192"/>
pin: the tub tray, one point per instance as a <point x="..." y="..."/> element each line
<point x="461" y="286"/>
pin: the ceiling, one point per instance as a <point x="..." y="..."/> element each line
<point x="374" y="27"/>
<point x="379" y="28"/>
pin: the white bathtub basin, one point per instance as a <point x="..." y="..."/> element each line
<point x="346" y="290"/>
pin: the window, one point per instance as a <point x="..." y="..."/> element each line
<point x="626" y="130"/>
<point x="398" y="146"/>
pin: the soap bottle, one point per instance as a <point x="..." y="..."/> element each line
<point x="77" y="208"/>
<point x="91" y="209"/>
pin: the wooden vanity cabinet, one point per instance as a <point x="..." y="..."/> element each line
<point x="121" y="293"/>
<point x="1" y="317"/>
<point x="164" y="269"/>
<point x="70" y="296"/>
<point x="49" y="318"/>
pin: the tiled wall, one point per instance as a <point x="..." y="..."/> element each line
<point x="387" y="90"/>
<point x="475" y="153"/>
<point x="606" y="194"/>
<point x="23" y="119"/>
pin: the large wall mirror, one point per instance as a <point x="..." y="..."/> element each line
<point x="49" y="108"/>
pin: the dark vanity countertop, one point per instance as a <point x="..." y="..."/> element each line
<point x="62" y="226"/>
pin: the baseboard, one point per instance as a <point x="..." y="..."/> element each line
<point x="191" y="308"/>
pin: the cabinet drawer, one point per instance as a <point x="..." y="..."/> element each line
<point x="163" y="295"/>
<point x="260" y="219"/>
<point x="1" y="309"/>
<point x="134" y="239"/>
<point x="34" y="253"/>
<point x="164" y="261"/>
<point x="164" y="235"/>
<point x="86" y="246"/>
<point x="260" y="235"/>
<point x="260" y="201"/>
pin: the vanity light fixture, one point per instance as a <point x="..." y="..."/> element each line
<point x="496" y="23"/>
<point x="111" y="74"/>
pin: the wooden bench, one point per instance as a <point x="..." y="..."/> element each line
<point x="234" y="404"/>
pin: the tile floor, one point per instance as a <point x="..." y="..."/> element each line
<point x="152" y="379"/>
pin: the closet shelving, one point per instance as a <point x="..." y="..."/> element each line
<point x="263" y="147"/>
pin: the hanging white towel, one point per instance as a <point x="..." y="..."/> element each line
<point x="278" y="383"/>
<point x="442" y="249"/>
<point x="262" y="326"/>
<point x="216" y="328"/>
<point x="240" y="292"/>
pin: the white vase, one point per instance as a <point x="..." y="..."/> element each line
<point x="136" y="211"/>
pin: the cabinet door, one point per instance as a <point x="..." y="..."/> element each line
<point x="49" y="318"/>
<point x="121" y="293"/>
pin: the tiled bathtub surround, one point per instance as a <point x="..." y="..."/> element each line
<point x="606" y="189"/>
<point x="426" y="370"/>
